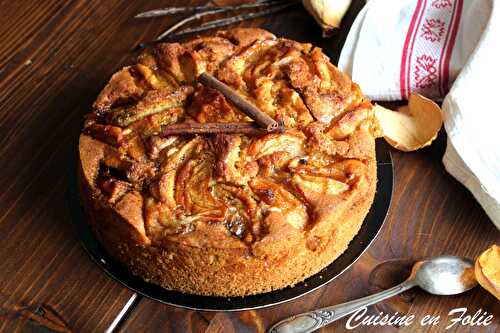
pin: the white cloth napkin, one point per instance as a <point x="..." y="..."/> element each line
<point x="442" y="49"/>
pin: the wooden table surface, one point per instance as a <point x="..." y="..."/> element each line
<point x="55" y="56"/>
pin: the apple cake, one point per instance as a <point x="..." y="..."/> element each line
<point x="228" y="214"/>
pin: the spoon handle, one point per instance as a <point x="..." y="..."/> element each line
<point x="313" y="320"/>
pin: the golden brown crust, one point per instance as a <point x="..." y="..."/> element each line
<point x="228" y="215"/>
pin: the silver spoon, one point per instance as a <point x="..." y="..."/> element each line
<point x="443" y="275"/>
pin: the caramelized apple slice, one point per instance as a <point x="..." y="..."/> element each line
<point x="135" y="172"/>
<point x="155" y="144"/>
<point x="343" y="171"/>
<point x="283" y="204"/>
<point x="151" y="124"/>
<point x="121" y="88"/>
<point x="113" y="188"/>
<point x="281" y="102"/>
<point x="327" y="91"/>
<point x="209" y="105"/>
<point x="177" y="156"/>
<point x="197" y="192"/>
<point x="163" y="189"/>
<point x="227" y="154"/>
<point x="317" y="189"/>
<point x="239" y="199"/>
<point x="291" y="142"/>
<point x="109" y="134"/>
<point x="211" y="50"/>
<point x="231" y="71"/>
<point x="167" y="56"/>
<point x="155" y="101"/>
<point x="350" y="121"/>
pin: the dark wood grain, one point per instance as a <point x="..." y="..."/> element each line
<point x="54" y="58"/>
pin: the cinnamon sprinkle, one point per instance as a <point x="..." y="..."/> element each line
<point x="260" y="118"/>
<point x="215" y="128"/>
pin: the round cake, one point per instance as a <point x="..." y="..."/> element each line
<point x="228" y="214"/>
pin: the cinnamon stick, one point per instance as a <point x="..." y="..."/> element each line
<point x="214" y="128"/>
<point x="262" y="119"/>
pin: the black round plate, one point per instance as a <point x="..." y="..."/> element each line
<point x="369" y="230"/>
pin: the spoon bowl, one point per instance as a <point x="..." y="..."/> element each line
<point x="444" y="275"/>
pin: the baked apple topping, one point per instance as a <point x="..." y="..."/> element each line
<point x="164" y="136"/>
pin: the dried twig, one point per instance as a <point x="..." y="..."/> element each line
<point x="189" y="9"/>
<point x="233" y="19"/>
<point x="172" y="11"/>
<point x="212" y="11"/>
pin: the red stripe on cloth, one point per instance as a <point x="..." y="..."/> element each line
<point x="417" y="27"/>
<point x="410" y="37"/>
<point x="457" y="15"/>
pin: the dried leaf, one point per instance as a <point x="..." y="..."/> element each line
<point x="411" y="127"/>
<point x="487" y="270"/>
<point x="328" y="13"/>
